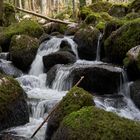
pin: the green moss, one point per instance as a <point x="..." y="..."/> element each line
<point x="134" y="6"/>
<point x="74" y="100"/>
<point x="132" y="16"/>
<point x="8" y="14"/>
<point x="95" y="124"/>
<point x="28" y="27"/>
<point x="100" y="26"/>
<point x="62" y="28"/>
<point x="122" y="40"/>
<point x="10" y="90"/>
<point x="84" y="12"/>
<point x="92" y="18"/>
<point x="100" y="6"/>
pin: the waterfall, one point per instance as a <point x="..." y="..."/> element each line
<point x="47" y="48"/>
<point x="41" y="99"/>
<point x="122" y="103"/>
<point x="98" y="47"/>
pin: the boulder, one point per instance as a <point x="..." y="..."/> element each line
<point x="26" y="27"/>
<point x="100" y="79"/>
<point x="60" y="57"/>
<point x="44" y="37"/>
<point x="118" y="10"/>
<point x="132" y="63"/>
<point x="9" y="69"/>
<point x="135" y="93"/>
<point x="132" y="15"/>
<point x="122" y="40"/>
<point x="72" y="29"/>
<point x="75" y="99"/>
<point x="13" y="107"/>
<point x="90" y="123"/>
<point x="87" y="39"/>
<point x="23" y="50"/>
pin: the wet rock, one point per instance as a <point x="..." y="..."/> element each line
<point x="135" y="92"/>
<point x="60" y="57"/>
<point x="100" y="79"/>
<point x="72" y="29"/>
<point x="44" y="37"/>
<point x="122" y="40"/>
<point x="132" y="63"/>
<point x="87" y="40"/>
<point x="23" y="51"/>
<point x="13" y="107"/>
<point x="75" y="99"/>
<point x="94" y="123"/>
<point x="118" y="10"/>
<point x="9" y="69"/>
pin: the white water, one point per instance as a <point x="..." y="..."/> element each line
<point x="98" y="48"/>
<point x="41" y="99"/>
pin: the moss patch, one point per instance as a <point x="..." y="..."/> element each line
<point x="92" y="123"/>
<point x="10" y="91"/>
<point x="75" y="99"/>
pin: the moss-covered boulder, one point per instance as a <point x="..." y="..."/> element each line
<point x="87" y="39"/>
<point x="23" y="50"/>
<point x="13" y="107"/>
<point x="100" y="6"/>
<point x="135" y="92"/>
<point x="8" y="15"/>
<point x="132" y="63"/>
<point x="54" y="27"/>
<point x="91" y="123"/>
<point x="28" y="27"/>
<point x="134" y="6"/>
<point x="75" y="99"/>
<point x="118" y="10"/>
<point x="120" y="41"/>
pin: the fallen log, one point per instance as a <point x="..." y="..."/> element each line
<point x="44" y="17"/>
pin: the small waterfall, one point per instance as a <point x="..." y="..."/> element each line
<point x="61" y="81"/>
<point x="98" y="48"/>
<point x="122" y="103"/>
<point x="46" y="48"/>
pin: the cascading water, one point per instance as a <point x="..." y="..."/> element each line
<point x="98" y="47"/>
<point x="41" y="98"/>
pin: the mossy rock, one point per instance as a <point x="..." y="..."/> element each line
<point x="84" y="12"/>
<point x="87" y="39"/>
<point x="92" y="19"/>
<point x="13" y="108"/>
<point x="23" y="50"/>
<point x="91" y="123"/>
<point x="132" y="63"/>
<point x="101" y="6"/>
<point x="132" y="15"/>
<point x="75" y="99"/>
<point x="28" y="27"/>
<point x="101" y="26"/>
<point x="8" y="14"/>
<point x="134" y="6"/>
<point x="118" y="10"/>
<point x="120" y="41"/>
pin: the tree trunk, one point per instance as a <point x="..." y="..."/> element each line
<point x="1" y="11"/>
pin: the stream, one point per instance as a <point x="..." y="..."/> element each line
<point x="41" y="97"/>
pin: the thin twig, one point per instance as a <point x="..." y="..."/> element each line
<point x="53" y="109"/>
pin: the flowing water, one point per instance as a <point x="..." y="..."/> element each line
<point x="41" y="98"/>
